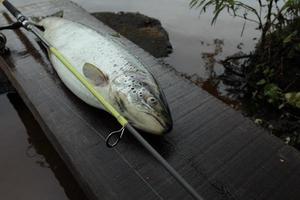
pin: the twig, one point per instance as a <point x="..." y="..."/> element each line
<point x="244" y="17"/>
<point x="235" y="58"/>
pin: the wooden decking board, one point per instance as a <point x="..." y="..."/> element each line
<point x="72" y="134"/>
<point x="280" y="192"/>
<point x="279" y="173"/>
<point x="199" y="118"/>
<point x="221" y="153"/>
<point x="224" y="148"/>
<point x="206" y="138"/>
<point x="166" y="80"/>
<point x="157" y="68"/>
<point x="182" y="101"/>
<point x="208" y="146"/>
<point x="174" y="94"/>
<point x="247" y="161"/>
<point x="186" y="88"/>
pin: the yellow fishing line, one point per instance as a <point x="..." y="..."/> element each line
<point x="90" y="87"/>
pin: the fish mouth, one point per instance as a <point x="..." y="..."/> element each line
<point x="166" y="125"/>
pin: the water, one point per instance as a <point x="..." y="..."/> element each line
<point x="29" y="166"/>
<point x="191" y="35"/>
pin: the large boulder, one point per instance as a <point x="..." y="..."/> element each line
<point x="144" y="31"/>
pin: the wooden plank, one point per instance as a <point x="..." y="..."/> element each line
<point x="279" y="173"/>
<point x="221" y="153"/>
<point x="243" y="165"/>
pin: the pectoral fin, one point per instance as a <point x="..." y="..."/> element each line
<point x="94" y="75"/>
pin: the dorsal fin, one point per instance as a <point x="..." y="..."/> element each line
<point x="94" y="75"/>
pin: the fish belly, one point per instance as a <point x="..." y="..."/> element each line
<point x="81" y="45"/>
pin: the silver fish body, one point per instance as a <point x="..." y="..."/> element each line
<point x="118" y="76"/>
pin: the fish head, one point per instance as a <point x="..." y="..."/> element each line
<point x="144" y="105"/>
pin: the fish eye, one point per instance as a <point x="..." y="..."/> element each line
<point x="151" y="101"/>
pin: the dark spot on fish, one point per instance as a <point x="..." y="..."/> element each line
<point x="152" y="99"/>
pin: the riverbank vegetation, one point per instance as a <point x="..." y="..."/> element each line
<point x="267" y="79"/>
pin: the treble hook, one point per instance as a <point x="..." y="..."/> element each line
<point x="119" y="134"/>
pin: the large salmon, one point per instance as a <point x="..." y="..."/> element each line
<point x="119" y="76"/>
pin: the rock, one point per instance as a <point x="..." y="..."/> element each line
<point x="144" y="31"/>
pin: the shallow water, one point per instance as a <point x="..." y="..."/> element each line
<point x="29" y="166"/>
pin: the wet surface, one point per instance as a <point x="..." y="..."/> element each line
<point x="30" y="168"/>
<point x="221" y="149"/>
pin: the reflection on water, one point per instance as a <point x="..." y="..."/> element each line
<point x="30" y="167"/>
<point x="198" y="46"/>
<point x="190" y="34"/>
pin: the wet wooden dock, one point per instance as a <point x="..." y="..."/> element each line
<point x="220" y="152"/>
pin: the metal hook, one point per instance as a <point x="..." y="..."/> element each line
<point x="119" y="134"/>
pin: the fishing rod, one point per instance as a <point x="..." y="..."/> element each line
<point x="23" y="21"/>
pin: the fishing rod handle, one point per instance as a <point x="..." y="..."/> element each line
<point x="12" y="9"/>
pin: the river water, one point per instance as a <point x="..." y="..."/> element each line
<point x="191" y="35"/>
<point x="31" y="169"/>
<point x="29" y="166"/>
